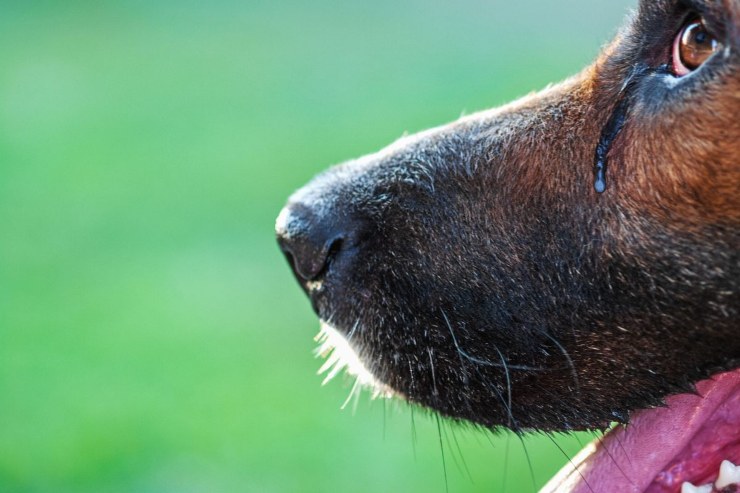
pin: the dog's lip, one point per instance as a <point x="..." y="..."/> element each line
<point x="339" y="355"/>
<point x="661" y="448"/>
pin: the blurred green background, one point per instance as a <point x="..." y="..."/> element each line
<point x="151" y="337"/>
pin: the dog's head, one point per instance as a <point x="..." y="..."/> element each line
<point x="557" y="263"/>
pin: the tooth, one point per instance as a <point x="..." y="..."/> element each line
<point x="690" y="488"/>
<point x="729" y="474"/>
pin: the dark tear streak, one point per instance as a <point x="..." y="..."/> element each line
<point x="608" y="134"/>
<point x="616" y="122"/>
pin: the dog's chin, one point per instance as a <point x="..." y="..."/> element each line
<point x="694" y="439"/>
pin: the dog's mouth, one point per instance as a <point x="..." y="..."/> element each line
<point x="689" y="446"/>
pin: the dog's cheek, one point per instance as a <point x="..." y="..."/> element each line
<point x="680" y="164"/>
<point x="673" y="226"/>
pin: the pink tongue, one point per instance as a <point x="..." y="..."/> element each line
<point x="661" y="448"/>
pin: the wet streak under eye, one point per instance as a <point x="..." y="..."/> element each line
<point x="616" y="122"/>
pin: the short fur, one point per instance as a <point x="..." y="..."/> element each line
<point x="480" y="274"/>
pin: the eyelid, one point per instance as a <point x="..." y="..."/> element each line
<point x="717" y="30"/>
<point x="698" y="8"/>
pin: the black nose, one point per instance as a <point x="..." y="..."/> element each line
<point x="308" y="240"/>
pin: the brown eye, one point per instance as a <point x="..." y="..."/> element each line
<point x="692" y="47"/>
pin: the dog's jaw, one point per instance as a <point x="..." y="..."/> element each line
<point x="690" y="440"/>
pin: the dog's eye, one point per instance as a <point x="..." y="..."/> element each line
<point x="692" y="47"/>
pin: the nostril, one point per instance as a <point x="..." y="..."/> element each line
<point x="309" y="242"/>
<point x="331" y="253"/>
<point x="310" y="264"/>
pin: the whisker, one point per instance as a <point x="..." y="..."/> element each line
<point x="481" y="362"/>
<point x="529" y="460"/>
<point x="608" y="452"/>
<point x="506" y="462"/>
<point x="514" y="425"/>
<point x="569" y="460"/>
<point x="624" y="451"/>
<point x="449" y="447"/>
<point x="384" y="420"/>
<point x="357" y="400"/>
<point x="462" y="457"/>
<point x="463" y="369"/>
<point x="507" y="403"/>
<point x="508" y="382"/>
<point x="352" y="332"/>
<point x="574" y="374"/>
<point x="413" y="433"/>
<point x="454" y="339"/>
<point x="430" y="351"/>
<point x="351" y="393"/>
<point x="442" y="451"/>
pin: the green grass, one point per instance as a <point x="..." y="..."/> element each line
<point x="151" y="337"/>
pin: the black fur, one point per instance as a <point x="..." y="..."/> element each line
<point x="482" y="276"/>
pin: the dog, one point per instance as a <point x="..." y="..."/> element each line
<point x="564" y="262"/>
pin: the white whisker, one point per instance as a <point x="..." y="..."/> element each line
<point x="340" y="355"/>
<point x="355" y="389"/>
